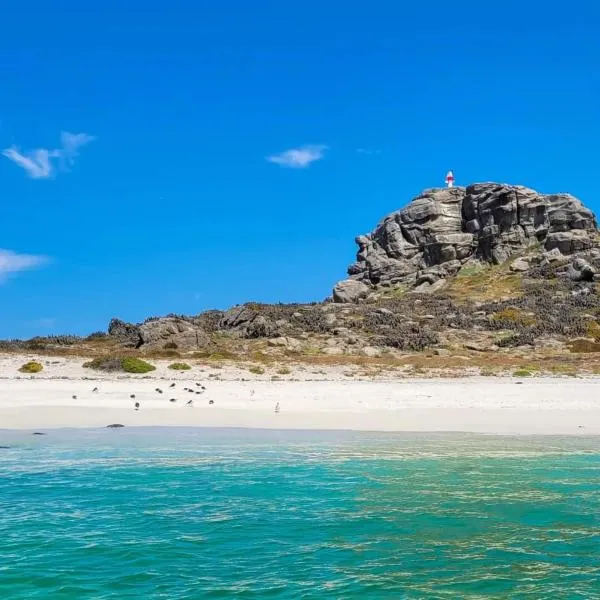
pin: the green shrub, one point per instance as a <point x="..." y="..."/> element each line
<point x="522" y="373"/>
<point x="180" y="366"/>
<point x="31" y="367"/>
<point x="256" y="370"/>
<point x="593" y="330"/>
<point x="104" y="363"/>
<point x="170" y="346"/>
<point x="136" y="365"/>
<point x="115" y="363"/>
<point x="513" y="316"/>
<point x="284" y="371"/>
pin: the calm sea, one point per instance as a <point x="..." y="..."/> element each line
<point x="172" y="513"/>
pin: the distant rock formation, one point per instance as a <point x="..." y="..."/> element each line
<point x="441" y="230"/>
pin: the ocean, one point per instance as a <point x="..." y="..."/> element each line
<point x="200" y="513"/>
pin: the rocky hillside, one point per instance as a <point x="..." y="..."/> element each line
<point x="442" y="231"/>
<point x="489" y="276"/>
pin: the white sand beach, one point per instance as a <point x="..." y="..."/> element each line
<point x="61" y="396"/>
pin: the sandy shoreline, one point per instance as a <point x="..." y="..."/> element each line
<point x="561" y="406"/>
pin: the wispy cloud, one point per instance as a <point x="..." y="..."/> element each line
<point x="299" y="158"/>
<point x="11" y="262"/>
<point x="40" y="163"/>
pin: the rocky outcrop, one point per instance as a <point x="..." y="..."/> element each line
<point x="247" y="323"/>
<point x="126" y="333"/>
<point x="172" y="332"/>
<point x="432" y="237"/>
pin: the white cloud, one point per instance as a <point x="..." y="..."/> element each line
<point x="71" y="142"/>
<point x="11" y="262"/>
<point x="298" y="158"/>
<point x="38" y="163"/>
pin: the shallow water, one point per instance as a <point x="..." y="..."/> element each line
<point x="198" y="513"/>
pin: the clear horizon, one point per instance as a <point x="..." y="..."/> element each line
<point x="166" y="159"/>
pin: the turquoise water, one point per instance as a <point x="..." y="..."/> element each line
<point x="256" y="514"/>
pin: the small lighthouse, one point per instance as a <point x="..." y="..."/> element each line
<point x="450" y="179"/>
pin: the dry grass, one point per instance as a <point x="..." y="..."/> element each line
<point x="484" y="284"/>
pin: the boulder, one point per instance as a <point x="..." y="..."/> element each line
<point x="441" y="229"/>
<point x="371" y="351"/>
<point x="247" y="323"/>
<point x="519" y="265"/>
<point x="126" y="333"/>
<point x="172" y="332"/>
<point x="288" y="343"/>
<point x="581" y="270"/>
<point x="350" y="290"/>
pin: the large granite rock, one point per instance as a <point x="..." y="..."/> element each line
<point x="247" y="323"/>
<point x="172" y="332"/>
<point x="350" y="290"/>
<point x="126" y="333"/>
<point x="439" y="231"/>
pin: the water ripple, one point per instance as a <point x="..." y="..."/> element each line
<point x="199" y="514"/>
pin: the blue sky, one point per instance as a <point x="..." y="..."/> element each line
<point x="145" y="167"/>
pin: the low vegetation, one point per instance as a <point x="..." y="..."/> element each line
<point x="256" y="370"/>
<point x="128" y="364"/>
<point x="583" y="346"/>
<point x="31" y="367"/>
<point x="179" y="366"/>
<point x="522" y="373"/>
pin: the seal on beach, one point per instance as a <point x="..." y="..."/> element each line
<point x="95" y="389"/>
<point x="115" y="426"/>
<point x="137" y="406"/>
<point x="172" y="385"/>
<point x="173" y="400"/>
<point x="211" y="401"/>
<point x="189" y="403"/>
<point x="74" y="397"/>
<point x="132" y="396"/>
<point x="38" y="433"/>
<point x="277" y="407"/>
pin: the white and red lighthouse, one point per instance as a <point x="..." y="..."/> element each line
<point x="450" y="179"/>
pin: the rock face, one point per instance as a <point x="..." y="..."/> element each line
<point x="432" y="237"/>
<point x="171" y="332"/>
<point x="126" y="333"/>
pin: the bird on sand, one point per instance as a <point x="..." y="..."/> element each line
<point x="211" y="401"/>
<point x="277" y="407"/>
<point x="189" y="403"/>
<point x="95" y="389"/>
<point x="173" y="400"/>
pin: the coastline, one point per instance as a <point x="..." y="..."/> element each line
<point x="62" y="397"/>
